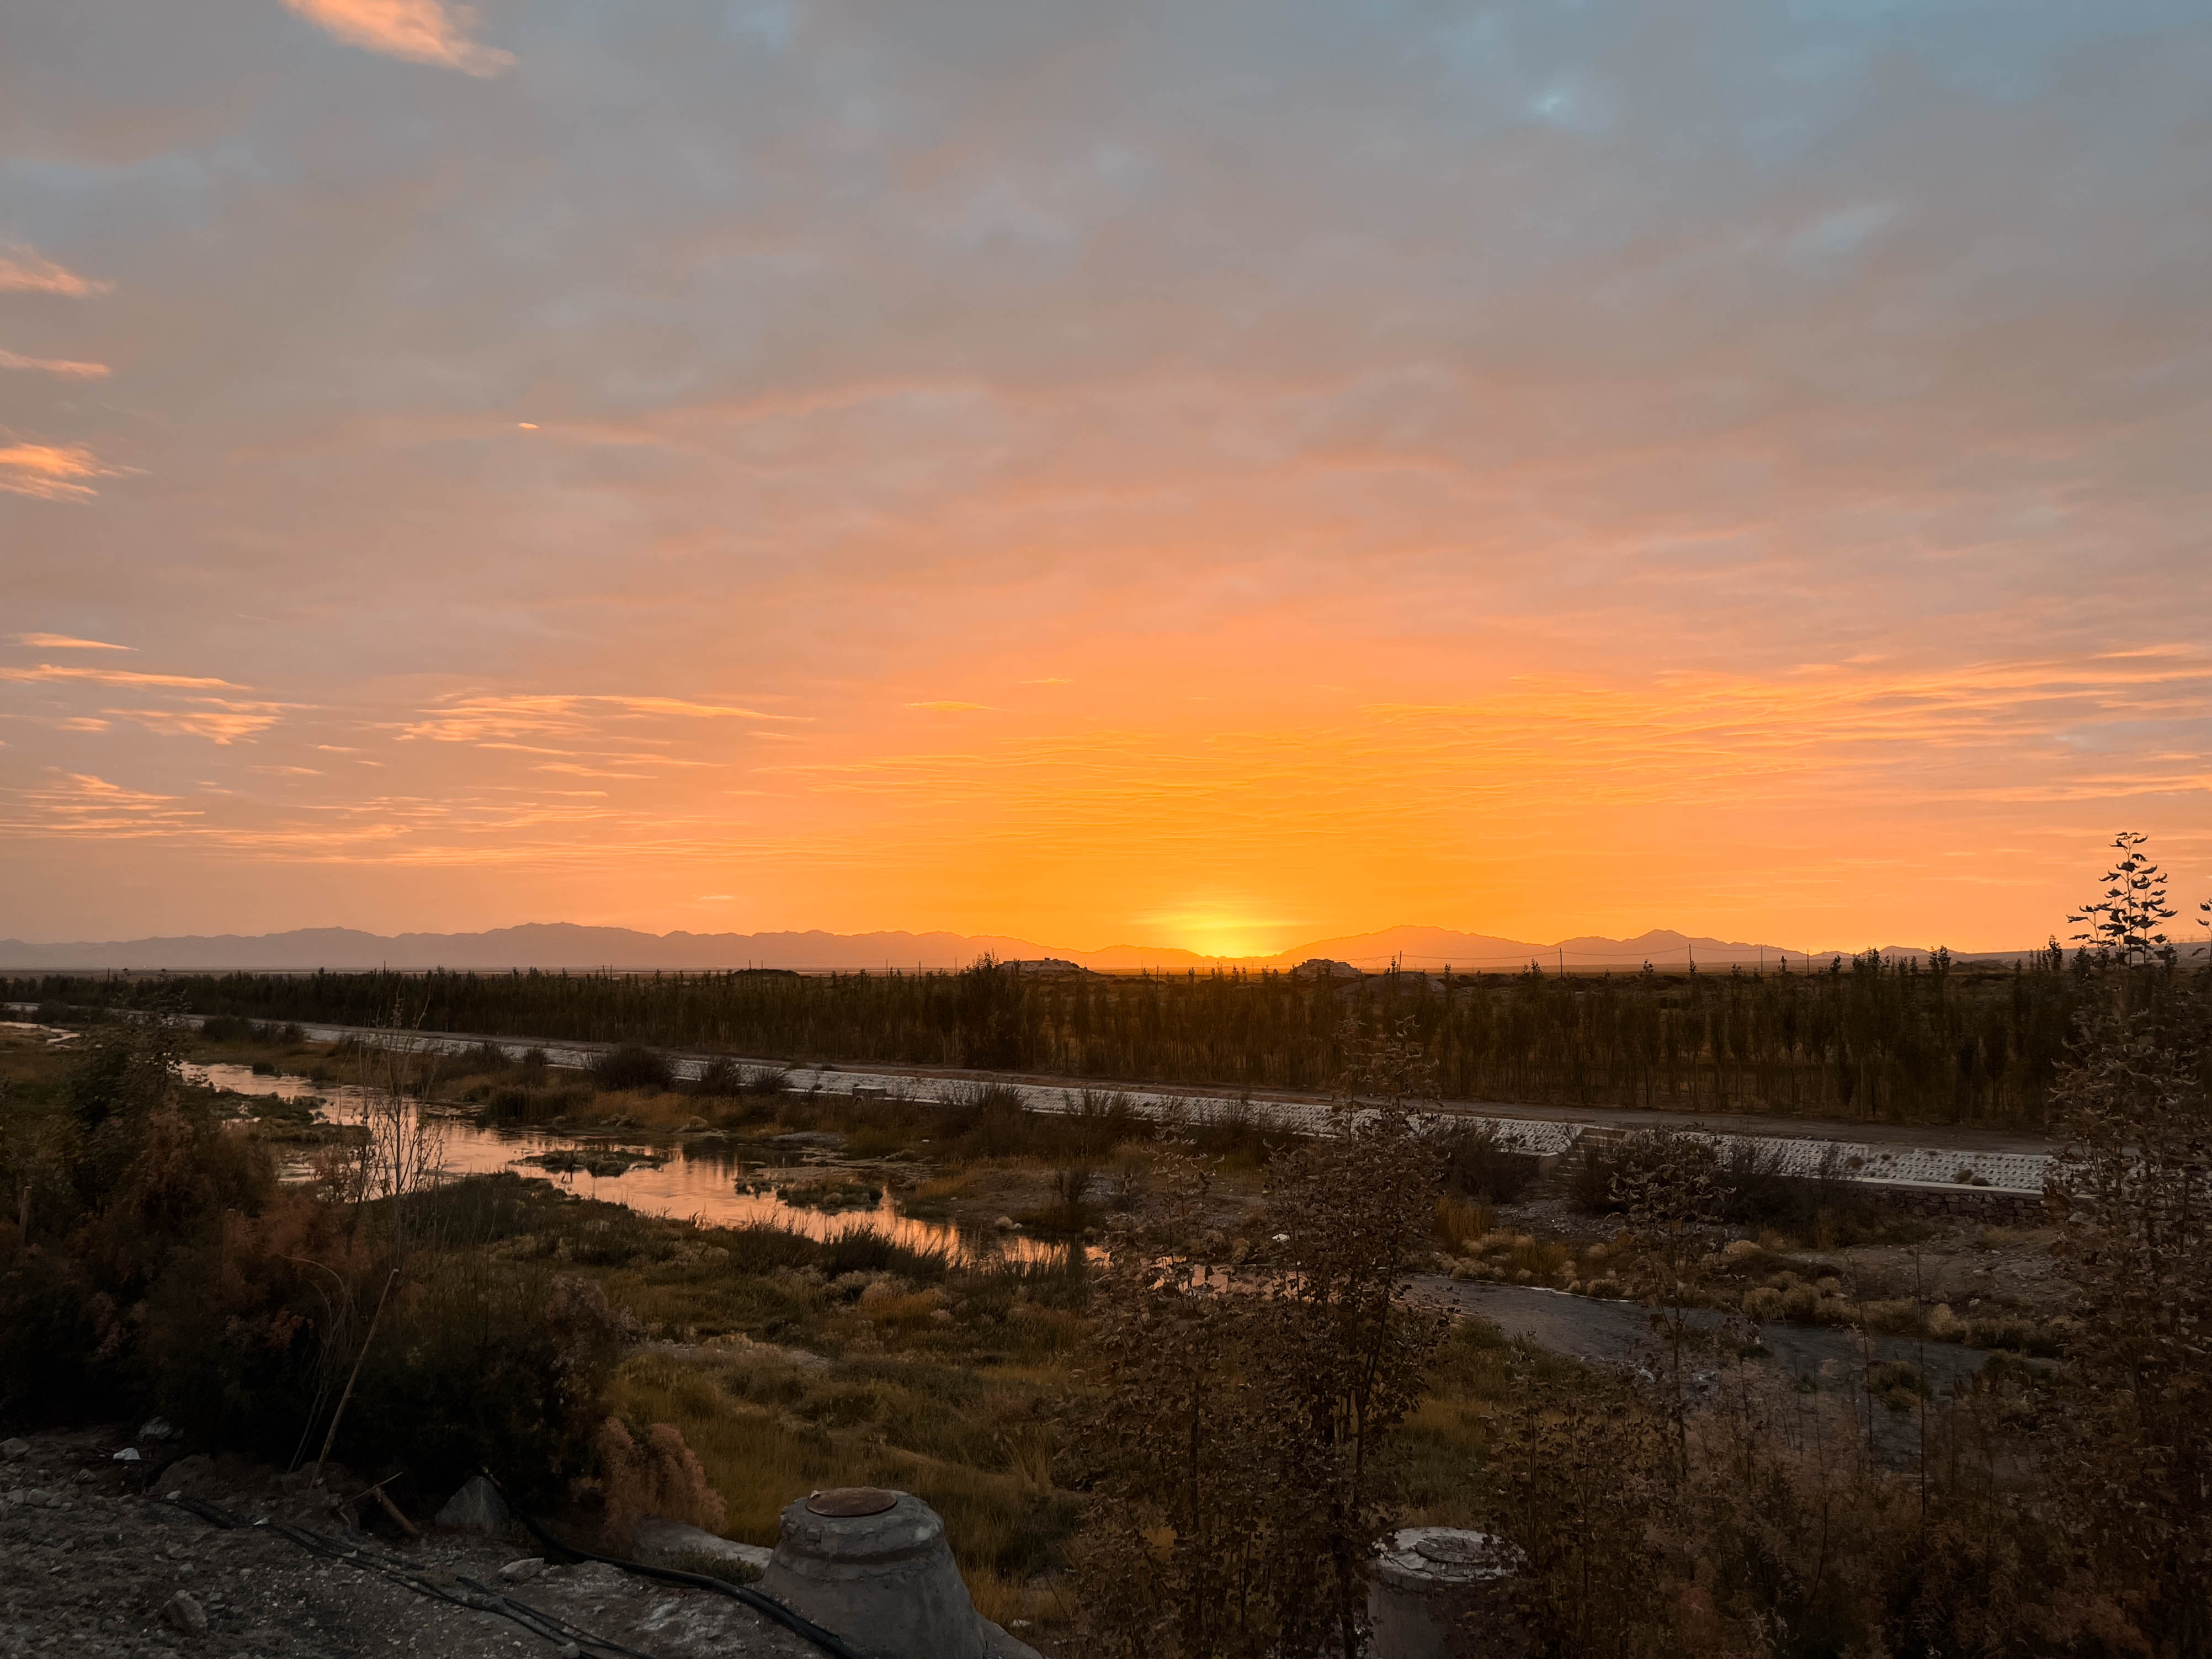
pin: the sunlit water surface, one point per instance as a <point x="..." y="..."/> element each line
<point x="698" y="1181"/>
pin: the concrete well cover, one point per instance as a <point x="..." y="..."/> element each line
<point x="852" y="1501"/>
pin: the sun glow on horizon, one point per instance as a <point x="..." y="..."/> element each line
<point x="1214" y="932"/>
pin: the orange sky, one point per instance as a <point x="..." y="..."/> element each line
<point x="1208" y="482"/>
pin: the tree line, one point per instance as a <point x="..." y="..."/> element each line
<point x="1860" y="1038"/>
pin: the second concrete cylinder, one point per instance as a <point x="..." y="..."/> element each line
<point x="1441" y="1593"/>
<point x="874" y="1566"/>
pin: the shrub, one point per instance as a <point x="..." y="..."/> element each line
<point x="863" y="1249"/>
<point x="1070" y="1211"/>
<point x="631" y="1067"/>
<point x="722" y="1079"/>
<point x="487" y="1363"/>
<point x="1590" y="1178"/>
<point x="55" y="1364"/>
<point x="985" y="1121"/>
<point x="1236" y="1134"/>
<point x="1750" y="1193"/>
<point x="1577" y="1475"/>
<point x="134" y="1179"/>
<point x="1477" y="1166"/>
<point x="524" y="1106"/>
<point x="487" y="1056"/>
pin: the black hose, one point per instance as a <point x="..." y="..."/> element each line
<point x="482" y="1598"/>
<point x="798" y="1623"/>
<point x="531" y="1617"/>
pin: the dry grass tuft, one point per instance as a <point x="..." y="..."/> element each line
<point x="1462" y="1224"/>
<point x="662" y="1477"/>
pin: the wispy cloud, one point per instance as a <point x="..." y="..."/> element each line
<point x="24" y="271"/>
<point x="503" y="720"/>
<point x="678" y="706"/>
<point x="64" y="366"/>
<point x="951" y="708"/>
<point x="217" y="720"/>
<point x="420" y="30"/>
<point x="47" y="671"/>
<point x="52" y="473"/>
<point x="66" y="642"/>
<point x="78" y="803"/>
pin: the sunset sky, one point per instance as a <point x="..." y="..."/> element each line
<point x="1212" y="474"/>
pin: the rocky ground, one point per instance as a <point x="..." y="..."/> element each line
<point x="96" y="1562"/>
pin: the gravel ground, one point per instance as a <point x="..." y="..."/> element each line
<point x="93" y="1563"/>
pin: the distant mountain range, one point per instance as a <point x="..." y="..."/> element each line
<point x="565" y="945"/>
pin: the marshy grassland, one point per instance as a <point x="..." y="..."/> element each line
<point x="1828" y="1252"/>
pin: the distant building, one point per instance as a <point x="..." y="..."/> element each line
<point x="1323" y="968"/>
<point x="1050" y="967"/>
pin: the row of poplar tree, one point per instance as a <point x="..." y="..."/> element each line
<point x="1931" y="1041"/>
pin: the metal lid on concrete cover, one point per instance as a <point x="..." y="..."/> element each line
<point x="1427" y="1558"/>
<point x="852" y="1500"/>
<point x="1456" y="1549"/>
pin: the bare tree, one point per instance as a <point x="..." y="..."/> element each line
<point x="400" y="1147"/>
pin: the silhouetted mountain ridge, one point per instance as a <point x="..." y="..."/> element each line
<point x="573" y="945"/>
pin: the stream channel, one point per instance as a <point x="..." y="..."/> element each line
<point x="702" y="1178"/>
